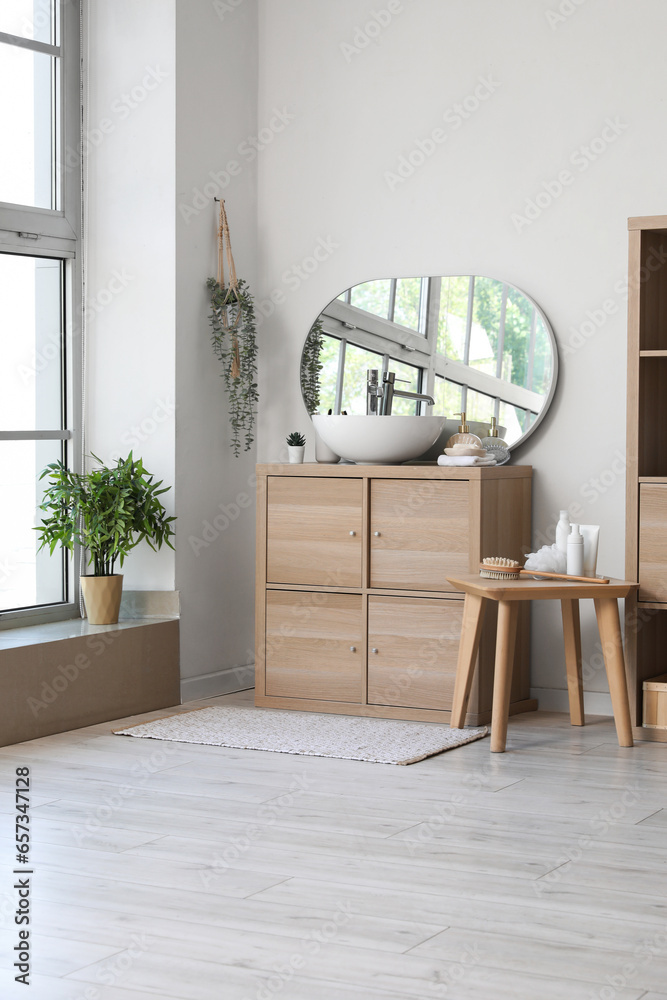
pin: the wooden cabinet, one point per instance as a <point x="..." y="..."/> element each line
<point x="314" y="531"/>
<point x="646" y="468"/>
<point x="420" y="533"/>
<point x="353" y="559"/>
<point x="413" y="646"/>
<point x="314" y="645"/>
<point x="653" y="543"/>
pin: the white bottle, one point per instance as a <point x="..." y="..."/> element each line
<point x="575" y="552"/>
<point x="563" y="531"/>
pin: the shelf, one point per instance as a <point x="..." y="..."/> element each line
<point x="653" y="479"/>
<point x="653" y="354"/>
<point x="652" y="604"/>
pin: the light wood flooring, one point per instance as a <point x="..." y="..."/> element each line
<point x="202" y="873"/>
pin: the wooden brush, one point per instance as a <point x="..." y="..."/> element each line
<point x="499" y="568"/>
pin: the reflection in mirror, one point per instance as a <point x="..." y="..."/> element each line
<point x="473" y="343"/>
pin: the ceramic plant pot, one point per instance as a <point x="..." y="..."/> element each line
<point x="102" y="595"/>
<point x="296" y="453"/>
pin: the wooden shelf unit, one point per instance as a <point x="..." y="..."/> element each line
<point x="355" y="614"/>
<point x="646" y="491"/>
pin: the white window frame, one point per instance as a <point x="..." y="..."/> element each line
<point x="56" y="233"/>
<point x="376" y="333"/>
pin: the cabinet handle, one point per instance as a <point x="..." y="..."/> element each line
<point x="353" y="533"/>
<point x="377" y="534"/>
<point x="373" y="650"/>
<point x="353" y="649"/>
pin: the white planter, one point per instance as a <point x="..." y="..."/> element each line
<point x="296" y="453"/>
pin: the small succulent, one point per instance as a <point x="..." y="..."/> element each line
<point x="295" y="439"/>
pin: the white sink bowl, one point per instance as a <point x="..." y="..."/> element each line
<point x="378" y="440"/>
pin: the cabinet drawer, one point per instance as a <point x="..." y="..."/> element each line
<point x="314" y="646"/>
<point x="653" y="542"/>
<point x="314" y="531"/>
<point x="417" y="643"/>
<point x="420" y="533"/>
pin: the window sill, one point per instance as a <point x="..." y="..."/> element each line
<point x="35" y="635"/>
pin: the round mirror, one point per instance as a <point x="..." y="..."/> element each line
<point x="472" y="343"/>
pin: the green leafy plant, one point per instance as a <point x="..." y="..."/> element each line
<point x="234" y="337"/>
<point x="296" y="440"/>
<point x="311" y="367"/>
<point x="107" y="511"/>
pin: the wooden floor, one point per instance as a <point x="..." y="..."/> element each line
<point x="177" y="871"/>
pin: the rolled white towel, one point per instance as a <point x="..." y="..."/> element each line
<point x="466" y="460"/>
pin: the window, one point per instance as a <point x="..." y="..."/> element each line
<point x="40" y="369"/>
<point x="401" y="301"/>
<point x="473" y="343"/>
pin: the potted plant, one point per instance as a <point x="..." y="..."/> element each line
<point x="296" y="445"/>
<point x="107" y="511"/>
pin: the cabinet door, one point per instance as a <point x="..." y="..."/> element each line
<point x="314" y="646"/>
<point x="419" y="533"/>
<point x="413" y="645"/>
<point x="653" y="543"/>
<point x="314" y="531"/>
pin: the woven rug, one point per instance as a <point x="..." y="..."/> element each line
<point x="383" y="741"/>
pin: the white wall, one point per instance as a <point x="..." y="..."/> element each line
<point x="555" y="81"/>
<point x="216" y="110"/>
<point x="153" y="383"/>
<point x="130" y="293"/>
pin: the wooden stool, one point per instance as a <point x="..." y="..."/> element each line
<point x="508" y="593"/>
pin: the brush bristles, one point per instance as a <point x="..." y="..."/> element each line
<point x="499" y="568"/>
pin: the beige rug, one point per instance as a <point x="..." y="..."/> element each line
<point x="383" y="741"/>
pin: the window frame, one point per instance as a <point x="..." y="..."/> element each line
<point x="372" y="332"/>
<point x="56" y="233"/>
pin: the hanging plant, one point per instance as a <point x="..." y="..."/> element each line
<point x="311" y="367"/>
<point x="234" y="337"/>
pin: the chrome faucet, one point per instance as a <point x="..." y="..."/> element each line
<point x="380" y="396"/>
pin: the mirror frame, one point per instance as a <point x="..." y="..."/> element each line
<point x="414" y="343"/>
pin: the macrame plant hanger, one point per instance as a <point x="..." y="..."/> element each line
<point x="232" y="297"/>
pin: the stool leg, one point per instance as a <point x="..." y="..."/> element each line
<point x="508" y="612"/>
<point x="473" y="617"/>
<point x="572" y="636"/>
<point x="606" y="609"/>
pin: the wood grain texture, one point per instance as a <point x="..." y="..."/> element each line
<point x="377" y="865"/>
<point x="473" y="619"/>
<point x="417" y="643"/>
<point x="314" y="645"/>
<point x="314" y="531"/>
<point x="419" y="533"/>
<point x="606" y="610"/>
<point x="427" y="470"/>
<point x="572" y="640"/>
<point x="502" y="685"/>
<point x="433" y="512"/>
<point x="653" y="543"/>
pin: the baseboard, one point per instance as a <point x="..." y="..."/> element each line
<point x="554" y="700"/>
<point x="217" y="683"/>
